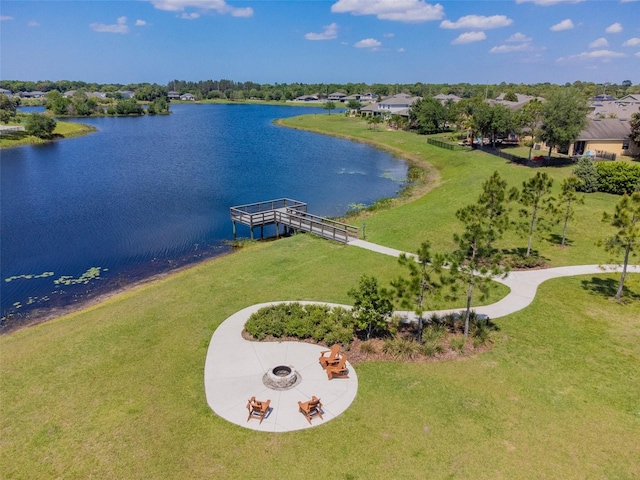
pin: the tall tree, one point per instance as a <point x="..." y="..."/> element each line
<point x="371" y="308"/>
<point x="425" y="280"/>
<point x="493" y="200"/>
<point x="428" y="115"/>
<point x="635" y="128"/>
<point x="528" y="121"/>
<point x="473" y="262"/>
<point x="535" y="199"/>
<point x="8" y="107"/>
<point x="626" y="240"/>
<point x="564" y="117"/>
<point x="568" y="198"/>
<point x="329" y="106"/>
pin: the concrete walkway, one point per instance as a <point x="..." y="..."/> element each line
<point x="234" y="367"/>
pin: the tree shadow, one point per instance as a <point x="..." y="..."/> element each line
<point x="556" y="239"/>
<point x="607" y="288"/>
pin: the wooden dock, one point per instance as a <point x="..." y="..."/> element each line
<point x="292" y="215"/>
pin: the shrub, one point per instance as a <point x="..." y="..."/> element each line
<point x="618" y="177"/>
<point x="431" y="348"/>
<point x="401" y="348"/>
<point x="368" y="347"/>
<point x="586" y="171"/>
<point x="457" y="344"/>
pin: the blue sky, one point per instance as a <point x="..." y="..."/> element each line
<point x="337" y="41"/>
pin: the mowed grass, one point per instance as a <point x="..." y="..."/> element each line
<point x="116" y="391"/>
<point x="459" y="176"/>
<point x="63" y="130"/>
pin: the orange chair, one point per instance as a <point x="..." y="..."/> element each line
<point x="311" y="409"/>
<point x="257" y="409"/>
<point x="339" y="369"/>
<point x="331" y="359"/>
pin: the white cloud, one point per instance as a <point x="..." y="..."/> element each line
<point x="546" y="3"/>
<point x="522" y="47"/>
<point x="367" y="43"/>
<point x="410" y="11"/>
<point x="518" y="37"/>
<point x="614" y="28"/>
<point x="219" y="6"/>
<point x="189" y="16"/>
<point x="4" y="18"/>
<point x="604" y="55"/>
<point x="632" y="42"/>
<point x="119" y="27"/>
<point x="329" y="32"/>
<point x="469" y="37"/>
<point x="140" y="23"/>
<point x="389" y="35"/>
<point x="478" y="22"/>
<point x="563" y="25"/>
<point x="32" y="23"/>
<point x="599" y="43"/>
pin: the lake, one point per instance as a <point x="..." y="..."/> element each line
<point x="144" y="195"/>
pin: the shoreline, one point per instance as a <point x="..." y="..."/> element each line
<point x="42" y="315"/>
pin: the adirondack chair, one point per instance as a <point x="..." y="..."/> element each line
<point x="257" y="408"/>
<point x="339" y="369"/>
<point x="311" y="409"/>
<point x="332" y="359"/>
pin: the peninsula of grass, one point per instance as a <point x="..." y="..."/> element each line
<point x="117" y="390"/>
<point x="63" y="130"/>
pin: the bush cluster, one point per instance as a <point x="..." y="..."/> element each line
<point x="618" y="178"/>
<point x="608" y="177"/>
<point x="317" y="322"/>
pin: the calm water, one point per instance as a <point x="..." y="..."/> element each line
<point x="143" y="195"/>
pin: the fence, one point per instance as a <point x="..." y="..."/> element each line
<point x="538" y="161"/>
<point x="447" y="145"/>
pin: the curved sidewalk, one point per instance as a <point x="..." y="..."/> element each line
<point x="234" y="366"/>
<point x="233" y="373"/>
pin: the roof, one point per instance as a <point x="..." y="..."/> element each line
<point x="603" y="98"/>
<point x="399" y="100"/>
<point x="444" y="98"/>
<point x="621" y="111"/>
<point x="606" y="129"/>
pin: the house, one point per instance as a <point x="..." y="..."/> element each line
<point x="610" y="135"/>
<point x="36" y="94"/>
<point x="397" y="104"/>
<point x="69" y="93"/>
<point x="617" y="109"/>
<point x="100" y="95"/>
<point x="188" y="97"/>
<point x="306" y="98"/>
<point x="443" y="99"/>
<point x="126" y="93"/>
<point x="173" y="95"/>
<point x="337" y="97"/>
<point x="368" y="97"/>
<point x="6" y="92"/>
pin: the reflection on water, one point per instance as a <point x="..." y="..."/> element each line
<point x="143" y="195"/>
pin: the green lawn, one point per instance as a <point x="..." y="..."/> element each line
<point x="116" y="391"/>
<point x="63" y="130"/>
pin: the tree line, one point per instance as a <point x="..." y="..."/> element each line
<point x="234" y="90"/>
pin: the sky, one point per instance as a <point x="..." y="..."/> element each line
<point x="336" y="41"/>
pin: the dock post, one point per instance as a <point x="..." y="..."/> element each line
<point x="234" y="229"/>
<point x="261" y="232"/>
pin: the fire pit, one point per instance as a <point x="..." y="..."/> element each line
<point x="282" y="377"/>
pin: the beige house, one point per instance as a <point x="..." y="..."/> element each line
<point x="605" y="136"/>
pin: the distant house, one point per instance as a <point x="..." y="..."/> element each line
<point x="36" y="94"/>
<point x="69" y="93"/>
<point x="188" y="97"/>
<point x="368" y="97"/>
<point x="337" y="97"/>
<point x="6" y="92"/>
<point x="517" y="105"/>
<point x="397" y="104"/>
<point x="603" y="98"/>
<point x="173" y="95"/>
<point x="609" y="135"/>
<point x="306" y="98"/>
<point x="126" y="93"/>
<point x="100" y="95"/>
<point x="442" y="98"/>
<point x="617" y="109"/>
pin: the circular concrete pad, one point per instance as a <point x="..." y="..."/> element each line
<point x="234" y="369"/>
